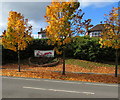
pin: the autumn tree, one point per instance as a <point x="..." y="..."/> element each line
<point x="110" y="36"/>
<point x="18" y="34"/>
<point x="59" y="16"/>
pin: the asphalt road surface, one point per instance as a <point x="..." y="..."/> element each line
<point x="44" y="88"/>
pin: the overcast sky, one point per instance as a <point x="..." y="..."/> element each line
<point x="35" y="11"/>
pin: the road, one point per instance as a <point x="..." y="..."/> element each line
<point x="44" y="88"/>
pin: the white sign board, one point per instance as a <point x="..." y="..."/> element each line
<point x="47" y="53"/>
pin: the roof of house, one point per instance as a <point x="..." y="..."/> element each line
<point x="42" y="31"/>
<point x="98" y="27"/>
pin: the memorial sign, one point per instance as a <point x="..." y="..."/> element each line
<point x="45" y="53"/>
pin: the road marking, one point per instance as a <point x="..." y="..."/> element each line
<point x="62" y="82"/>
<point x="87" y="93"/>
<point x="102" y="84"/>
<point x="82" y="83"/>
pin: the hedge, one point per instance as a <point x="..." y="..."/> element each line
<point x="85" y="48"/>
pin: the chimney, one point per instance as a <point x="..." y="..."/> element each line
<point x="41" y="29"/>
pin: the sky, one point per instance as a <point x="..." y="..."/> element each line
<point x="35" y="11"/>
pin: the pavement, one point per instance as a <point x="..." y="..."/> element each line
<point x="15" y="87"/>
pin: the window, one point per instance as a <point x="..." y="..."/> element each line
<point x="43" y="35"/>
<point x="91" y="34"/>
<point x="95" y="34"/>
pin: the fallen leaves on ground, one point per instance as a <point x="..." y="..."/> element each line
<point x="59" y="76"/>
<point x="69" y="68"/>
<point x="47" y="73"/>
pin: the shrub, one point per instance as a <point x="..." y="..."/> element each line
<point x="88" y="48"/>
<point x="84" y="48"/>
<point x="37" y="44"/>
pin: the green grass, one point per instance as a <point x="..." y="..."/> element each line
<point x="81" y="63"/>
<point x="87" y="64"/>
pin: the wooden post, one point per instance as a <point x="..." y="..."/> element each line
<point x="18" y="52"/>
<point x="116" y="63"/>
<point x="63" y="73"/>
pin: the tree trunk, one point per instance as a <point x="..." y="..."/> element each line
<point x="63" y="73"/>
<point x="116" y="63"/>
<point x="18" y="60"/>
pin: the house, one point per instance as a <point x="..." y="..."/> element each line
<point x="93" y="32"/>
<point x="42" y="34"/>
<point x="96" y="30"/>
<point x="1" y="36"/>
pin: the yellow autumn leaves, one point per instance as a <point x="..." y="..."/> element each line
<point x="18" y="32"/>
<point x="58" y="15"/>
<point x="110" y="36"/>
